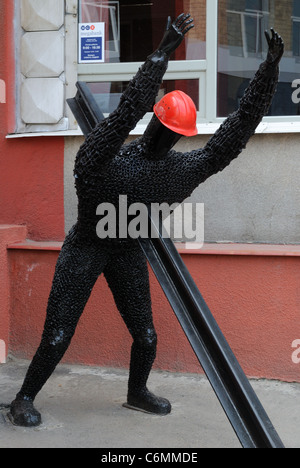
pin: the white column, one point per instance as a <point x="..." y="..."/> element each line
<point x="42" y="68"/>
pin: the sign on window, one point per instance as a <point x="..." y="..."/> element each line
<point x="91" y="42"/>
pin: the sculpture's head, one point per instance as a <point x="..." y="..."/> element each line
<point x="175" y="115"/>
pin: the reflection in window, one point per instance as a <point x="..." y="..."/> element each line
<point x="296" y="28"/>
<point x="247" y="22"/>
<point x="108" y="94"/>
<point x="134" y="28"/>
<point x="242" y="48"/>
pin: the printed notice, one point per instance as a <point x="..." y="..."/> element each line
<point x="91" y="42"/>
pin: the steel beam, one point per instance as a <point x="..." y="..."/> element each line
<point x="85" y="108"/>
<point x="234" y="391"/>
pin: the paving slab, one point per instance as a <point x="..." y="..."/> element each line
<point x="82" y="408"/>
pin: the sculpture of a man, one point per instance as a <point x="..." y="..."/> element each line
<point x="147" y="170"/>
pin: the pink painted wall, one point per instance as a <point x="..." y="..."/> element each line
<point x="31" y="169"/>
<point x="31" y="189"/>
<point x="254" y="298"/>
<point x="8" y="234"/>
<point x="31" y="174"/>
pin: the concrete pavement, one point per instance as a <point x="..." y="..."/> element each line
<point x="82" y="408"/>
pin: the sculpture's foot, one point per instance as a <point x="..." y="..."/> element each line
<point x="23" y="413"/>
<point x="147" y="402"/>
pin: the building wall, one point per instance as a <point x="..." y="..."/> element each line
<point x="254" y="295"/>
<point x="255" y="199"/>
<point x="254" y="298"/>
<point x="31" y="176"/>
<point x="31" y="187"/>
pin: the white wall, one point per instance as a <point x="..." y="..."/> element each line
<point x="255" y="199"/>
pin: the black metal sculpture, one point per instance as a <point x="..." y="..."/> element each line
<point x="146" y="170"/>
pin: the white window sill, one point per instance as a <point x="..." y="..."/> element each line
<point x="62" y="133"/>
<point x="203" y="129"/>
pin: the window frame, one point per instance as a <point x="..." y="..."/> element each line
<point x="206" y="71"/>
<point x="125" y="71"/>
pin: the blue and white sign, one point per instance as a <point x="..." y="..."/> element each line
<point x="91" y="42"/>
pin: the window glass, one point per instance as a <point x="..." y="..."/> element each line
<point x="134" y="28"/>
<point x="108" y="94"/>
<point x="242" y="47"/>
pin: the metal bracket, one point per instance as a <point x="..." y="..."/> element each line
<point x="85" y="108"/>
<point x="237" y="397"/>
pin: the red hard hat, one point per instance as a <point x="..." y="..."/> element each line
<point x="177" y="111"/>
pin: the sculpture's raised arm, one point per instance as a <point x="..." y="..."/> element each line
<point x="233" y="135"/>
<point x="106" y="139"/>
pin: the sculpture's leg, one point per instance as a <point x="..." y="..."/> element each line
<point x="76" y="272"/>
<point x="128" y="278"/>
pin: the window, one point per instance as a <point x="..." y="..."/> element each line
<point x="103" y="42"/>
<point x="108" y="94"/>
<point x="246" y="23"/>
<point x="242" y="47"/>
<point x="296" y="28"/>
<point x="132" y="30"/>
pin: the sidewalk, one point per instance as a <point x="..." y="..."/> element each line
<point x="82" y="408"/>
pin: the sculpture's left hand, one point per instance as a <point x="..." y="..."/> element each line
<point x="175" y="33"/>
<point x="276" y="47"/>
